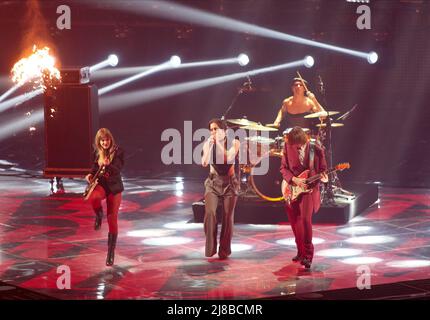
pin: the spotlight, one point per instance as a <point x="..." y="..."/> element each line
<point x="167" y="241"/>
<point x="133" y="70"/>
<point x="372" y="57"/>
<point x="409" y="263"/>
<point x="355" y="230"/>
<point x="339" y="252"/>
<point x="243" y="59"/>
<point x="177" y="12"/>
<point x="182" y="225"/>
<point x="370" y="239"/>
<point x="146" y="233"/>
<point x="292" y="241"/>
<point x="309" y="62"/>
<point x="175" y="61"/>
<point x="142" y="96"/>
<point x="113" y="60"/>
<point x="361" y="260"/>
<point x="238" y="247"/>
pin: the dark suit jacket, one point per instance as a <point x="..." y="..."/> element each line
<point x="112" y="179"/>
<point x="291" y="167"/>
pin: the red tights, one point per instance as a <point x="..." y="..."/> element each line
<point x="113" y="202"/>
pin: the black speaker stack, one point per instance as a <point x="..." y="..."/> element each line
<point x="71" y="122"/>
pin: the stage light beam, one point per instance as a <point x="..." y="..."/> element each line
<point x="20" y="123"/>
<point x="5" y="105"/>
<point x="177" y="12"/>
<point x="173" y="62"/>
<point x="122" y="100"/>
<point x="10" y="91"/>
<point x="242" y="58"/>
<point x="112" y="61"/>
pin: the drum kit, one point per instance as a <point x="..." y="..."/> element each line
<point x="268" y="186"/>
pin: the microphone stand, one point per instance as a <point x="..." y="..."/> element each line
<point x="239" y="92"/>
<point x="334" y="187"/>
<point x="328" y="197"/>
<point x="242" y="193"/>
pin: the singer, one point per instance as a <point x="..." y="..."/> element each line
<point x="222" y="184"/>
<point x="295" y="107"/>
<point x="109" y="187"/>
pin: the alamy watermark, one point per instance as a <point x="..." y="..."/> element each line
<point x="254" y="151"/>
<point x="363" y="277"/>
<point x="65" y="278"/>
<point x="364" y="21"/>
<point x="64" y="21"/>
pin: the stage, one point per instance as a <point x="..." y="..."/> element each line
<point x="147" y="92"/>
<point x="254" y="209"/>
<point x="160" y="253"/>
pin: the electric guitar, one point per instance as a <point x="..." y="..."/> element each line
<point x="291" y="192"/>
<point x="95" y="180"/>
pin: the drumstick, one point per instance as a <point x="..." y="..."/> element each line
<point x="303" y="82"/>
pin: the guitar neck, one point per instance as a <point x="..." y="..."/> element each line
<point x="318" y="176"/>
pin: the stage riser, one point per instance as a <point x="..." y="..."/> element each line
<point x="257" y="211"/>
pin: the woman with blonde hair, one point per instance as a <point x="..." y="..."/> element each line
<point x="110" y="157"/>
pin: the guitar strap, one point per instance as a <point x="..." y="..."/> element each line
<point x="311" y="155"/>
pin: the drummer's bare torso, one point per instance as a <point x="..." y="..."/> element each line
<point x="294" y="105"/>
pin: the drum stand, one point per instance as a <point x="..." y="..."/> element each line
<point x="246" y="190"/>
<point x="334" y="188"/>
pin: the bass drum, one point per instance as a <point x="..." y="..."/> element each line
<point x="268" y="186"/>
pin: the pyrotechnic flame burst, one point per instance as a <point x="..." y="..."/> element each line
<point x="39" y="68"/>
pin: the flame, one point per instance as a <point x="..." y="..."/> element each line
<point x="39" y="68"/>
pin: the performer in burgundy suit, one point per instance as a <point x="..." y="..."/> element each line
<point x="296" y="159"/>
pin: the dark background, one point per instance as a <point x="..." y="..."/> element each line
<point x="386" y="139"/>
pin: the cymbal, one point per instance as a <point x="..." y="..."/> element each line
<point x="260" y="139"/>
<point x="272" y="125"/>
<point x="320" y="114"/>
<point x="258" y="127"/>
<point x="242" y="122"/>
<point x="334" y="125"/>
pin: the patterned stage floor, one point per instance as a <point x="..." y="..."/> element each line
<point x="160" y="256"/>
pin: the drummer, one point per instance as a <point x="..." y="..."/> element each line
<point x="295" y="107"/>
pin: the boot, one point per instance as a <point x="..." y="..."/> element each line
<point x="98" y="220"/>
<point x="111" y="248"/>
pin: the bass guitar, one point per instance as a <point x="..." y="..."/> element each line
<point x="95" y="179"/>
